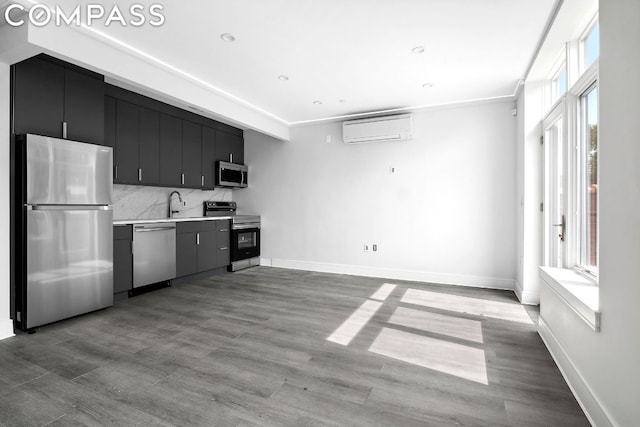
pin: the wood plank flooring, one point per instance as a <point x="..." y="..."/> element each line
<point x="251" y="348"/>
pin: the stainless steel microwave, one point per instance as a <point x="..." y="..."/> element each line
<point x="231" y="175"/>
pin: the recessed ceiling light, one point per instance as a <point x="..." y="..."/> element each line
<point x="427" y="85"/>
<point x="317" y="102"/>
<point x="283" y="77"/>
<point x="418" y="49"/>
<point x="342" y="101"/>
<point x="227" y="37"/>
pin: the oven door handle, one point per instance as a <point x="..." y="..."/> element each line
<point x="245" y="227"/>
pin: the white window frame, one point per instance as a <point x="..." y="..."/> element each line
<point x="551" y="96"/>
<point x="576" y="138"/>
<point x="579" y="81"/>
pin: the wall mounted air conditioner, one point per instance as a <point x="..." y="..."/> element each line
<point x="386" y="128"/>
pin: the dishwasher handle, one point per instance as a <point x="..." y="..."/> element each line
<point x="148" y="229"/>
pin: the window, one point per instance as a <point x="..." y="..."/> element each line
<point x="590" y="46"/>
<point x="571" y="158"/>
<point x="588" y="181"/>
<point x="559" y="83"/>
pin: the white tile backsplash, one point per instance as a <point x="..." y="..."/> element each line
<point x="140" y="202"/>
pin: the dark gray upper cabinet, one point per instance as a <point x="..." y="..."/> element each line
<point x="170" y="151"/>
<point x="149" y="163"/>
<point x="47" y="94"/>
<point x="110" y="121"/>
<point x="208" y="157"/>
<point x="84" y="107"/>
<point x="191" y="154"/>
<point x="38" y="98"/>
<point x="229" y="146"/>
<point x="176" y="148"/>
<point x="127" y="143"/>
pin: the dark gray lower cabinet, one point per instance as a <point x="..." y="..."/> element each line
<point x="122" y="258"/>
<point x="223" y="239"/>
<point x="186" y="252"/>
<point x="201" y="246"/>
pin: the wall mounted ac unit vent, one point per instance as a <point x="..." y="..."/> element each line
<point x="386" y="128"/>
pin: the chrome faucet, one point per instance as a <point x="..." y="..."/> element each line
<point x="171" y="211"/>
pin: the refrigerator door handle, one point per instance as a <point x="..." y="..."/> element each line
<point x="69" y="208"/>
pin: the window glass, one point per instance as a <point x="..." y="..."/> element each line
<point x="589" y="213"/>
<point x="591" y="45"/>
<point x="562" y="81"/>
<point x="559" y="84"/>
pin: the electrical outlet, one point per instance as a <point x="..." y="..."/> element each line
<point x="366" y="247"/>
<point x="374" y="247"/>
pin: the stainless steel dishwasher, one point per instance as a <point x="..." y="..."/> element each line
<point x="154" y="253"/>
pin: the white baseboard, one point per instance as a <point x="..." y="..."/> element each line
<point x="394" y="274"/>
<point x="6" y="328"/>
<point x="526" y="297"/>
<point x="589" y="403"/>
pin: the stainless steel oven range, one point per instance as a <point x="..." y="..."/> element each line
<point x="245" y="234"/>
<point x="245" y="242"/>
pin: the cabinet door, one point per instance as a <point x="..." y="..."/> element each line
<point x="170" y="150"/>
<point x="186" y="254"/>
<point x="127" y="143"/>
<point x="149" y="146"/>
<point x="228" y="146"/>
<point x="38" y="102"/>
<point x="207" y="250"/>
<point x="223" y="240"/>
<point x="84" y="107"/>
<point x="191" y="154"/>
<point x="109" y="121"/>
<point x="122" y="266"/>
<point x="208" y="157"/>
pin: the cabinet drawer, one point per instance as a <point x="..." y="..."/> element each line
<point x="122" y="232"/>
<point x="195" y="226"/>
<point x="223" y="226"/>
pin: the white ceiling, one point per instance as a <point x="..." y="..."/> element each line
<point x="355" y="56"/>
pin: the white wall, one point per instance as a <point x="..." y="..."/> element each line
<point x="606" y="365"/>
<point x="6" y="325"/>
<point x="520" y="193"/>
<point x="530" y="193"/>
<point x="447" y="215"/>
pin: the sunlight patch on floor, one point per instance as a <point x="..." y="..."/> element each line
<point x="384" y="291"/>
<point x="443" y="356"/>
<point x="352" y="326"/>
<point x="480" y="307"/>
<point x="438" y="323"/>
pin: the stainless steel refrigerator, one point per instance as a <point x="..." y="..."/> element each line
<point x="66" y="227"/>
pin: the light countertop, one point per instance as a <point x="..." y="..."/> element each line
<point x="161" y="220"/>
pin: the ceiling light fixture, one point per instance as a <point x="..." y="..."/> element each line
<point x="227" y="37"/>
<point x="417" y="49"/>
<point x="283" y="77"/>
<point x="317" y="102"/>
<point x="427" y="85"/>
<point x="342" y="101"/>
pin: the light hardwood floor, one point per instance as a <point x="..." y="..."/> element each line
<point x="253" y="348"/>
